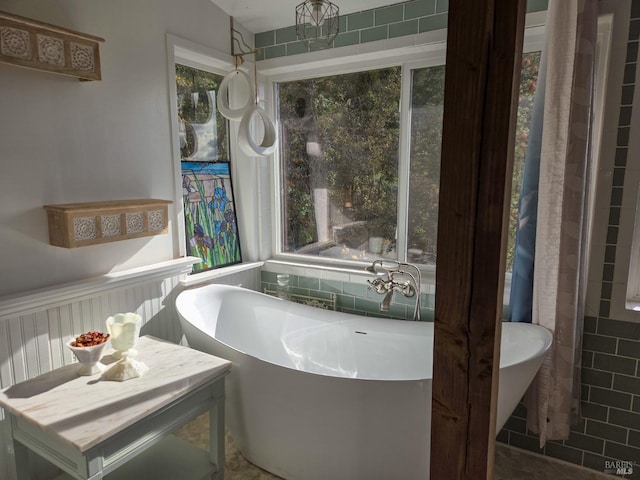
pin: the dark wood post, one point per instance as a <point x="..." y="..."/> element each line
<point x="484" y="50"/>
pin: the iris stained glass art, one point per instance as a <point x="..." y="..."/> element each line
<point x="210" y="219"/>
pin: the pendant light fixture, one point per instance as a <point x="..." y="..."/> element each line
<point x="317" y="23"/>
<point x="250" y="110"/>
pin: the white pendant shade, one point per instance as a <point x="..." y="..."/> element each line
<point x="245" y="140"/>
<point x="223" y="96"/>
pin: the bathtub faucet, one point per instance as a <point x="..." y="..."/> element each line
<point x="396" y="276"/>
<point x="388" y="285"/>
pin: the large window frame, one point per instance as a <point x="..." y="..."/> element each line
<point x="433" y="54"/>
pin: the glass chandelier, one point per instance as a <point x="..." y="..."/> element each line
<point x="317" y="23"/>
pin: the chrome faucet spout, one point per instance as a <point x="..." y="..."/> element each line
<point x="386" y="302"/>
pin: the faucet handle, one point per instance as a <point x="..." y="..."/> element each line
<point x="408" y="290"/>
<point x="378" y="284"/>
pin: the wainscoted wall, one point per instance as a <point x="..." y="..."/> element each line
<point x="35" y="326"/>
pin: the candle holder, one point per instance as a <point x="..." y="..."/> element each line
<point x="124" y="329"/>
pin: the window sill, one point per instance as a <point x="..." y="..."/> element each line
<point x="205" y="277"/>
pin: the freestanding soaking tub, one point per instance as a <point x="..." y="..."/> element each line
<point x="316" y="395"/>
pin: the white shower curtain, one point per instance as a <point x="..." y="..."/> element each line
<point x="553" y="400"/>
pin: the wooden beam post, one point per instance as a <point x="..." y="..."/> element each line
<point x="484" y="52"/>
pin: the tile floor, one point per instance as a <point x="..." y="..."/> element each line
<point x="511" y="463"/>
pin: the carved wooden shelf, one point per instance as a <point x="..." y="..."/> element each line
<point x="79" y="224"/>
<point x="32" y="44"/>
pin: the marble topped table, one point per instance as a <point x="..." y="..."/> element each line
<point x="89" y="426"/>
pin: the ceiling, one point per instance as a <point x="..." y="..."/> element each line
<point x="262" y="15"/>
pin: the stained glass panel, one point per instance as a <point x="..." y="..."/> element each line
<point x="209" y="211"/>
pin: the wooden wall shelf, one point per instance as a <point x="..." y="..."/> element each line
<point x="78" y="224"/>
<point x="33" y="44"/>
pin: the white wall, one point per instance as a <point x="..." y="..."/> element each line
<point x="62" y="140"/>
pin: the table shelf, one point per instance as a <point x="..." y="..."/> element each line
<point x="171" y="458"/>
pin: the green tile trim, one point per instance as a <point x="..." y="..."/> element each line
<point x="264" y="39"/>
<point x="599" y="343"/>
<point x="401" y="29"/>
<point x="285" y="35"/>
<point x="367" y="306"/>
<point x="358" y="21"/>
<point x="386" y="15"/>
<point x="434" y="22"/>
<point x="593" y="411"/>
<point x="342" y="24"/>
<point x="348" y="38"/>
<point x="624" y="383"/>
<point x="360" y="27"/>
<point x="333" y="286"/>
<point x="373" y="34"/>
<point x="345" y="302"/>
<point x="628" y="348"/>
<point x="562" y="452"/>
<point x="624" y="419"/>
<point x="296" y="48"/>
<point x="419" y="8"/>
<point x="314" y="47"/>
<point x="275" y="51"/>
<point x="612" y="363"/>
<point x="442" y="6"/>
<point x="311" y="283"/>
<point x="537" y="5"/>
<point x="596" y="378"/>
<point x="269" y="277"/>
<point x="354" y="289"/>
<point x="614" y="450"/>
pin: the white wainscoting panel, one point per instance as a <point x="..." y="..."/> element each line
<point x="34" y="327"/>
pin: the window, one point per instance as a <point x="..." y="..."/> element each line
<point x="347" y="193"/>
<point x="202" y="130"/>
<point x="339" y="144"/>
<point x="210" y="222"/>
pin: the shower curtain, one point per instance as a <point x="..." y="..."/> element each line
<point x="557" y="299"/>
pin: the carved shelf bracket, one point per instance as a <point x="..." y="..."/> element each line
<point x="79" y="224"/>
<point x="37" y="45"/>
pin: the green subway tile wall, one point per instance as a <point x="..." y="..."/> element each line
<point x="353" y="298"/>
<point x="408" y="18"/>
<point x="610" y="426"/>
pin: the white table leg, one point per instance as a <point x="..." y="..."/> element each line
<point x="21" y="455"/>
<point x="216" y="429"/>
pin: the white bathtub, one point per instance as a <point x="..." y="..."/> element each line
<point x="317" y="395"/>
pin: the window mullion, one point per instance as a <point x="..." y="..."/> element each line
<point x="404" y="163"/>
